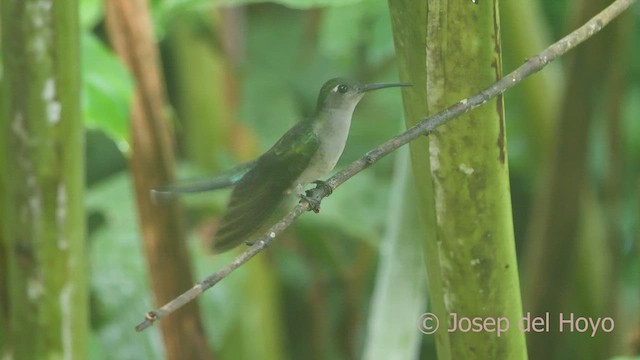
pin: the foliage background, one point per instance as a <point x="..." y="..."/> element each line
<point x="239" y="77"/>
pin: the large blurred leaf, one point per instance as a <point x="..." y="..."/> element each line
<point x="106" y="92"/>
<point x="401" y="287"/>
<point x="357" y="208"/>
<point x="173" y="5"/>
<point x="296" y="4"/>
<point x="91" y="11"/>
<point x="364" y="27"/>
<point x="119" y="284"/>
<point x="166" y="11"/>
<point x="241" y="304"/>
<point x="271" y="113"/>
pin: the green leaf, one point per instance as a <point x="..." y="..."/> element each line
<point x="396" y="305"/>
<point x="363" y="25"/>
<point x="119" y="285"/>
<point x="295" y="4"/>
<point x="165" y="12"/>
<point x="356" y="209"/>
<point x="91" y="11"/>
<point x="107" y="91"/>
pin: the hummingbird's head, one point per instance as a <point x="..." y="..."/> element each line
<point x="344" y="94"/>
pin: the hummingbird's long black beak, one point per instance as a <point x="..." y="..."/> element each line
<point x="370" y="87"/>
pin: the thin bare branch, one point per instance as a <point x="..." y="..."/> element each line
<point x="425" y="127"/>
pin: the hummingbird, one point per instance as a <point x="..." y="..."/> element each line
<point x="308" y="151"/>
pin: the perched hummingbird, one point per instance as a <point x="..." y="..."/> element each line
<point x="309" y="150"/>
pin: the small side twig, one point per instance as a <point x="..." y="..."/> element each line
<point x="425" y="127"/>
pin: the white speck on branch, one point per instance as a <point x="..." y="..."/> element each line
<point x="424" y="127"/>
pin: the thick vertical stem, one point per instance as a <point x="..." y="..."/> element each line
<point x="479" y="272"/>
<point x="202" y="93"/>
<point x="408" y="19"/>
<point x="151" y="164"/>
<point x="42" y="160"/>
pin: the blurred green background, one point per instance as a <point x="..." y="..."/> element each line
<point x="238" y="75"/>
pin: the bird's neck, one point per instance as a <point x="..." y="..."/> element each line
<point x="333" y="122"/>
<point x="332" y="129"/>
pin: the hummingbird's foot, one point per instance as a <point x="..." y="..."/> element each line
<point x="249" y="242"/>
<point x="314" y="204"/>
<point x="311" y="197"/>
<point x="323" y="184"/>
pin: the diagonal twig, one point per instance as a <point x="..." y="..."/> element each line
<point x="425" y="127"/>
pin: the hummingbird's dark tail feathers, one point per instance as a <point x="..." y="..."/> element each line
<point x="221" y="181"/>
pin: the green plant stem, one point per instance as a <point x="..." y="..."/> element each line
<point x="469" y="167"/>
<point x="42" y="173"/>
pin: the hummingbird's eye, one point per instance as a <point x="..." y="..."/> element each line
<point x="342" y="89"/>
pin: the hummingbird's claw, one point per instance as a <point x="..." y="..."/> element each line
<point x="311" y="197"/>
<point x="314" y="204"/>
<point x="323" y="184"/>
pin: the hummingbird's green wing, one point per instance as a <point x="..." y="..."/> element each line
<point x="260" y="191"/>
